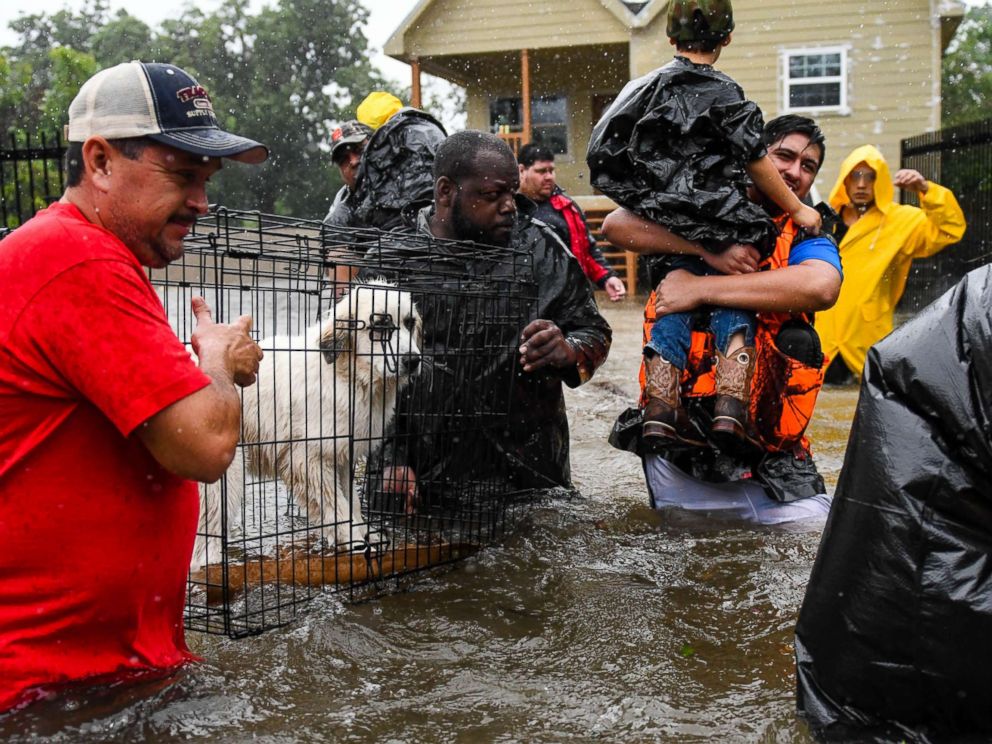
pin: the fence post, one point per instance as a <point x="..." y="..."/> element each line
<point x="21" y="193"/>
<point x="960" y="159"/>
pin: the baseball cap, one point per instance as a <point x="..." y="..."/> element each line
<point x="161" y="102"/>
<point x="700" y="20"/>
<point x="378" y="108"/>
<point x="350" y="133"/>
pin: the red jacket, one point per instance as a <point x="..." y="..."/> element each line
<point x="580" y="243"/>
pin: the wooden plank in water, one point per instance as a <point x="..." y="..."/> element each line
<point x="339" y="569"/>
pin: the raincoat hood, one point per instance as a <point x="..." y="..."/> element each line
<point x="377" y="108"/>
<point x="884" y="190"/>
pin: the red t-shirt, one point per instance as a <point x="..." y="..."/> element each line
<point x="95" y="536"/>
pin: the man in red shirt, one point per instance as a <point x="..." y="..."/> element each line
<point x="105" y="421"/>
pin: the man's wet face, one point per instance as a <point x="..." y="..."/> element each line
<point x="483" y="209"/>
<point x="153" y="201"/>
<point x="347" y="161"/>
<point x="797" y="161"/>
<point x="538" y="180"/>
<point x="860" y="185"/>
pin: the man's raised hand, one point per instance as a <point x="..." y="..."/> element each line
<point x="225" y="345"/>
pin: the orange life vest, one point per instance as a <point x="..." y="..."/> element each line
<point x="783" y="391"/>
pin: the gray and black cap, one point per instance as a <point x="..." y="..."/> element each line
<point x="161" y="102"/>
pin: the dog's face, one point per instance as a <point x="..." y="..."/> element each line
<point x="380" y="326"/>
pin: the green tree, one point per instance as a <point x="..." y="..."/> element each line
<point x="37" y="74"/>
<point x="122" y="39"/>
<point x="284" y="76"/>
<point x="967" y="69"/>
<point x="68" y="70"/>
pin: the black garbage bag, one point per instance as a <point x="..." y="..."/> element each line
<point x="677" y="157"/>
<point x="396" y="171"/>
<point x="896" y="625"/>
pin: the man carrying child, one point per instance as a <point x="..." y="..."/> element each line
<point x="680" y="147"/>
<point x="777" y="482"/>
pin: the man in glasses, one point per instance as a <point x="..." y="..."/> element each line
<point x="882" y="239"/>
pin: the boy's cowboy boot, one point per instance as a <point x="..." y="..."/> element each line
<point x="664" y="417"/>
<point x="733" y="394"/>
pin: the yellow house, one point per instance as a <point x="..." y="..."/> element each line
<point x="867" y="71"/>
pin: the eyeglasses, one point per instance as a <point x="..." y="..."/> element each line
<point x="868" y="176"/>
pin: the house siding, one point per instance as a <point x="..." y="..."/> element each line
<point x="891" y="92"/>
<point x="473" y="26"/>
<point x="577" y="73"/>
<point x="893" y="86"/>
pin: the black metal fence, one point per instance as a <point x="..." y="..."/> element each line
<point x="31" y="175"/>
<point x="380" y="352"/>
<point x="959" y="158"/>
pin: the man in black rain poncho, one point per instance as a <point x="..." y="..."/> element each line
<point x="475" y="200"/>
<point x="896" y="626"/>
<point x="395" y="172"/>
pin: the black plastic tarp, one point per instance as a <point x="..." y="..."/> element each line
<point x="896" y="625"/>
<point x="396" y="170"/>
<point x="672" y="148"/>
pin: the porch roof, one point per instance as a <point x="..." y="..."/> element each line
<point x="625" y="17"/>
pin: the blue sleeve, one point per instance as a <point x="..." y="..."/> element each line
<point x="822" y="249"/>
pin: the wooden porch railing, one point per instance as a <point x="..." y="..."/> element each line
<point x="623" y="262"/>
<point x="514" y="139"/>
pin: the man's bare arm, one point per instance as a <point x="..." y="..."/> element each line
<point x="195" y="437"/>
<point x="631" y="232"/>
<point x="626" y="230"/>
<point x="807" y="287"/>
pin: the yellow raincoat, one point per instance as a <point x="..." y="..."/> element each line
<point x="876" y="254"/>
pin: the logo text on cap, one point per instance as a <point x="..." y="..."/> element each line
<point x="194" y="91"/>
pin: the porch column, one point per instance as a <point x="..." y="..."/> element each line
<point x="415" y="84"/>
<point x="525" y="92"/>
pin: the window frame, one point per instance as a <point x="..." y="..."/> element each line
<point x="567" y="155"/>
<point x="786" y="54"/>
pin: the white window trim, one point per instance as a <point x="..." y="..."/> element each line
<point x="845" y="61"/>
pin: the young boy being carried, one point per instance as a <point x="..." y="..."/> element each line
<point x="679" y="147"/>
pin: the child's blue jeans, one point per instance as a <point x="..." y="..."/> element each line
<point x="671" y="334"/>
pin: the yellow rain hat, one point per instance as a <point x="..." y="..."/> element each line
<point x="378" y="108"/>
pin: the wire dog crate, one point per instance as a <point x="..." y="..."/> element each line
<point x="367" y="451"/>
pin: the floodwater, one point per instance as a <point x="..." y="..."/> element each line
<point x="596" y="619"/>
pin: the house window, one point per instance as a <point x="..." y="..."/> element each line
<point x="548" y="120"/>
<point x="815" y="79"/>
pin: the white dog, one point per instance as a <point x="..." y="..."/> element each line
<point x="322" y="400"/>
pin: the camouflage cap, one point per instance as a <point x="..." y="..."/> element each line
<point x="700" y="20"/>
<point x="350" y="133"/>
